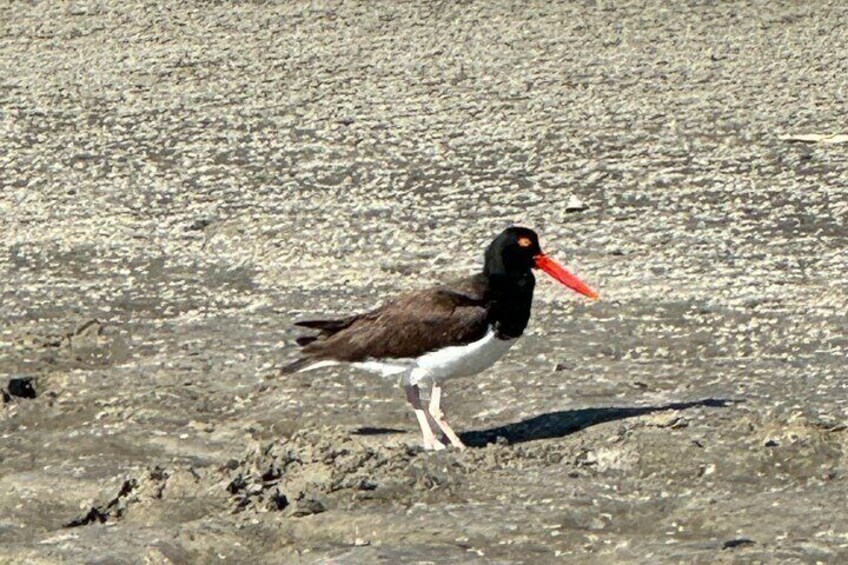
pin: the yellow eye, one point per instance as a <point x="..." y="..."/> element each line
<point x="524" y="242"/>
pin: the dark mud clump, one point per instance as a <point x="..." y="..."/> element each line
<point x="20" y="387"/>
<point x="151" y="487"/>
<point x="331" y="468"/>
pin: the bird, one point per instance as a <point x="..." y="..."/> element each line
<point x="428" y="336"/>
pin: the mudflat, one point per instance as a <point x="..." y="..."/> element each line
<point x="181" y="182"/>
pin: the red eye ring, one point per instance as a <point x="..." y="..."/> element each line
<point x="524" y="242"/>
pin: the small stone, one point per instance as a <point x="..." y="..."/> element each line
<point x="237" y="485"/>
<point x="679" y="423"/>
<point x="368" y="484"/>
<point x="272" y="474"/>
<point x="574" y="204"/>
<point x="667" y="420"/>
<point x="706" y="470"/>
<point x="307" y="505"/>
<point x="230" y="465"/>
<point x="277" y="501"/>
<point x="199" y="224"/>
<point x="739" y="542"/>
<point x="22" y="387"/>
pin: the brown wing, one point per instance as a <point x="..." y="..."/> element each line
<point x="326" y="327"/>
<point x="409" y="326"/>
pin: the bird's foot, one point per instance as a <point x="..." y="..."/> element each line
<point x="448" y="435"/>
<point x="459" y="445"/>
<point x="434" y="445"/>
<point x="454" y="442"/>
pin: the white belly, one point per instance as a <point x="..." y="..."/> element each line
<point x="455" y="361"/>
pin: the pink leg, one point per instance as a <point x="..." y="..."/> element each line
<point x="437" y="415"/>
<point x="414" y="398"/>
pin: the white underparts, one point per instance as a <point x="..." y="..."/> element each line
<point x="454" y="361"/>
<point x="319" y="364"/>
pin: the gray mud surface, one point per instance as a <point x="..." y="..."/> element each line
<point x="181" y="182"/>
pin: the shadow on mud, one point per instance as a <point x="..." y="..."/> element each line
<point x="371" y="431"/>
<point x="564" y="422"/>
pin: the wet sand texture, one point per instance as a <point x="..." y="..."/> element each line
<point x="180" y="182"/>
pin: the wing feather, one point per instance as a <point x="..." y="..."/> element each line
<point x="407" y="327"/>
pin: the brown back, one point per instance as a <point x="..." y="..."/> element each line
<point x="408" y="326"/>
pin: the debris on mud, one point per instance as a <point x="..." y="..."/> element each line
<point x="330" y="467"/>
<point x="574" y="204"/>
<point x="115" y="508"/>
<point x="151" y="486"/>
<point x="740" y="542"/>
<point x="21" y="387"/>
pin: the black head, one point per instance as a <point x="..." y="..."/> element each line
<point x="511" y="257"/>
<point x="513" y="253"/>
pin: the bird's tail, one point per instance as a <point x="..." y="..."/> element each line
<point x="329" y="326"/>
<point x="296" y="366"/>
<point x="325" y="328"/>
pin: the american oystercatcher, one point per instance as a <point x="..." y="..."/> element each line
<point x="428" y="336"/>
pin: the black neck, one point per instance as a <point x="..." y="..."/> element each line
<point x="510" y="297"/>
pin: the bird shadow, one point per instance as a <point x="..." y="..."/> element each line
<point x="374" y="431"/>
<point x="565" y="422"/>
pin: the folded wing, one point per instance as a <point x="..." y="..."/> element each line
<point x="408" y="327"/>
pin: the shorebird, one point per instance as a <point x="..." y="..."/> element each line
<point x="428" y="336"/>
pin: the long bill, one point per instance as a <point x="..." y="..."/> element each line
<point x="561" y="274"/>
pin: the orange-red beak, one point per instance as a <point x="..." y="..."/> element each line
<point x="561" y="274"/>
